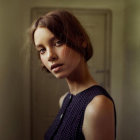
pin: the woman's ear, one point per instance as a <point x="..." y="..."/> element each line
<point x="84" y="44"/>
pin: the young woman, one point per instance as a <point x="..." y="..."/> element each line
<point x="87" y="111"/>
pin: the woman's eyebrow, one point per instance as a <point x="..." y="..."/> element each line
<point x="50" y="41"/>
<point x="38" y="46"/>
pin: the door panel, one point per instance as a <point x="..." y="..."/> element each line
<point x="46" y="89"/>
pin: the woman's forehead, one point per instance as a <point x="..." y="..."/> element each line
<point x="42" y="34"/>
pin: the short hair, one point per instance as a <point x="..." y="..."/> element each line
<point x="65" y="27"/>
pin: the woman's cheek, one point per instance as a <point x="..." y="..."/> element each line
<point x="63" y="51"/>
<point x="66" y="51"/>
<point x="44" y="62"/>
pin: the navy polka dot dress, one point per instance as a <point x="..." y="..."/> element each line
<point x="69" y="121"/>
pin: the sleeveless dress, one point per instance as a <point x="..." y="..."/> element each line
<point x="69" y="120"/>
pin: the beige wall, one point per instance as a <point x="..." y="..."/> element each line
<point x="14" y="78"/>
<point x="11" y="122"/>
<point x="117" y="8"/>
<point x="131" y="94"/>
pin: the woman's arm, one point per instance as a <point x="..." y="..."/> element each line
<point x="99" y="119"/>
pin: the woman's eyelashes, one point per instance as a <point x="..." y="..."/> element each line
<point x="58" y="43"/>
<point x="42" y="50"/>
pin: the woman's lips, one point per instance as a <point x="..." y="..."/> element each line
<point x="56" y="67"/>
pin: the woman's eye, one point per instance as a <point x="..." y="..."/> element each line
<point x="58" y="43"/>
<point x="42" y="51"/>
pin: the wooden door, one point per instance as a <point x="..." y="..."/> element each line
<point x="46" y="89"/>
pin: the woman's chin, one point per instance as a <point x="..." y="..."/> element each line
<point x="60" y="76"/>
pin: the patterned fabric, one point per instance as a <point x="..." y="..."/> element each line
<point x="69" y="121"/>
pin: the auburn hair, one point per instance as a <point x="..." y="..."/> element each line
<point x="65" y="27"/>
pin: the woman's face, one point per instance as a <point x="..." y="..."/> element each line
<point x="57" y="57"/>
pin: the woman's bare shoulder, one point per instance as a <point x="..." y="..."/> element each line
<point x="61" y="99"/>
<point x="99" y="102"/>
<point x="99" y="119"/>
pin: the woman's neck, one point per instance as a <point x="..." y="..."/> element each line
<point x="80" y="79"/>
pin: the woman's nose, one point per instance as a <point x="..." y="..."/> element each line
<point x="52" y="56"/>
